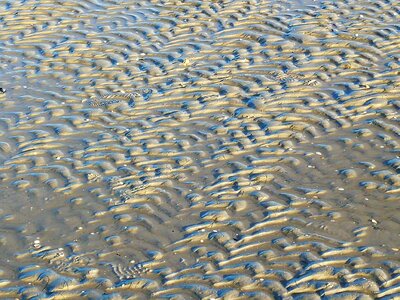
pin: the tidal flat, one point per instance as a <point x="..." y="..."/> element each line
<point x="184" y="149"/>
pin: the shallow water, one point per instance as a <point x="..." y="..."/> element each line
<point x="199" y="149"/>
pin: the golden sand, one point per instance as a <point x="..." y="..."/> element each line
<point x="199" y="149"/>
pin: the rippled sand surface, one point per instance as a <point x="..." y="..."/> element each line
<point x="199" y="149"/>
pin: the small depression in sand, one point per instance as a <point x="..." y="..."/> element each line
<point x="199" y="149"/>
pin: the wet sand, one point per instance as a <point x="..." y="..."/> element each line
<point x="199" y="149"/>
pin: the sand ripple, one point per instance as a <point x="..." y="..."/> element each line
<point x="199" y="149"/>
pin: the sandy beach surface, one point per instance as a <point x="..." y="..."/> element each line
<point x="194" y="149"/>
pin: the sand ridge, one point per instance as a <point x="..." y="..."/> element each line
<point x="199" y="149"/>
